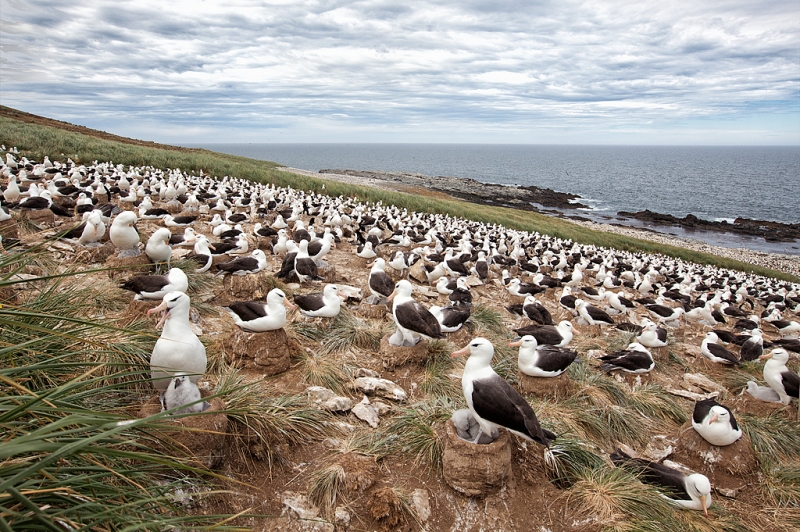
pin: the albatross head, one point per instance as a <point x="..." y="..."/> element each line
<point x="479" y="349"/>
<point x="699" y="487"/>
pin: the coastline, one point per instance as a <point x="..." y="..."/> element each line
<point x="785" y="263"/>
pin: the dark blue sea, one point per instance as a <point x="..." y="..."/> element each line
<point x="711" y="182"/>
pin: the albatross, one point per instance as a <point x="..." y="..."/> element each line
<point x="493" y="401"/>
<point x="178" y="350"/>
<point x="261" y="316"/>
<point x="715" y="423"/>
<point x="414" y="321"/>
<point x="688" y="491"/>
<point x="542" y="361"/>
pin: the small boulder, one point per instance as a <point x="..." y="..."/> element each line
<point x="367" y="412"/>
<point x="381" y="387"/>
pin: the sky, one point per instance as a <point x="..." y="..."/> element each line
<point x="474" y="71"/>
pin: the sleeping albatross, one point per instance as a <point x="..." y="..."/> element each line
<point x="689" y="491"/>
<point x="493" y="401"/>
<point x="715" y="423"/>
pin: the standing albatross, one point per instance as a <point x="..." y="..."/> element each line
<point x="178" y="350"/>
<point x="413" y="320"/>
<point x="493" y="401"/>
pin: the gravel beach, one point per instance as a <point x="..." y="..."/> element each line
<point x="784" y="263"/>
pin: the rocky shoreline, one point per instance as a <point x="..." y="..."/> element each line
<point x="398" y="180"/>
<point x="769" y="231"/>
<point x="530" y="198"/>
<point x="474" y="191"/>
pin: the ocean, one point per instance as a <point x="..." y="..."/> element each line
<point x="711" y="182"/>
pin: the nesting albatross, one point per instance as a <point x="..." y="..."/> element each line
<point x="493" y="401"/>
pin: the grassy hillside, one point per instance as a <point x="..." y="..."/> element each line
<point x="39" y="137"/>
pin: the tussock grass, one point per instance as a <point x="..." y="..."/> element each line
<point x="323" y="370"/>
<point x="438" y="368"/>
<point x="606" y="411"/>
<point x="773" y="436"/>
<point x="413" y="431"/>
<point x="348" y="331"/>
<point x="485" y="321"/>
<point x="67" y="381"/>
<point x="326" y="488"/>
<point x="568" y="458"/>
<point x="782" y="483"/>
<point x="612" y="494"/>
<point x="262" y="419"/>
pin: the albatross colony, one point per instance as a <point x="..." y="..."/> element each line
<point x="284" y="224"/>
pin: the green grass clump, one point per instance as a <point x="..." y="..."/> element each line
<point x="413" y="431"/>
<point x="262" y="419"/>
<point x="323" y="370"/>
<point x="72" y="457"/>
<point x="348" y="331"/>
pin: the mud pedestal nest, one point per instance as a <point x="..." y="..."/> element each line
<point x="268" y="351"/>
<point x="473" y="469"/>
<point x="393" y="356"/>
<point x="551" y="387"/>
<point x="202" y="435"/>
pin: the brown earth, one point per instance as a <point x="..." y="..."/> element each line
<point x="525" y="496"/>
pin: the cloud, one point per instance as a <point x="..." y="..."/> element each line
<point x="428" y="68"/>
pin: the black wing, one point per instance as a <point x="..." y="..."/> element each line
<point x="249" y="310"/>
<point x="496" y="401"/>
<point x="381" y="283"/>
<point x="791" y="383"/>
<point x="310" y="302"/>
<point x="415" y="317"/>
<point x="555" y="358"/>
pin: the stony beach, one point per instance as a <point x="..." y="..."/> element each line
<point x="785" y="263"/>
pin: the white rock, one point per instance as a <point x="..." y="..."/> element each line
<point x="382" y="408"/>
<point x="364" y="372"/>
<point x="382" y="387"/>
<point x="318" y="394"/>
<point x="299" y="504"/>
<point x="328" y="400"/>
<point x="422" y="505"/>
<point x="341" y="517"/>
<point x="367" y="413"/>
<point x="703" y="382"/>
<point x="338" y="404"/>
<point x="659" y="448"/>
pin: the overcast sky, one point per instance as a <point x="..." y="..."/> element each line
<point x="491" y="71"/>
